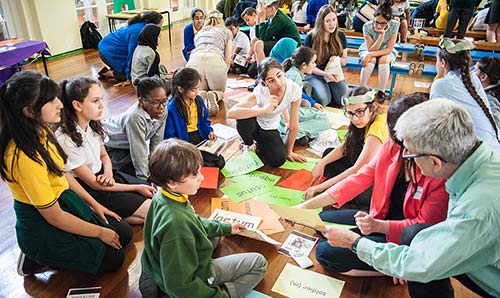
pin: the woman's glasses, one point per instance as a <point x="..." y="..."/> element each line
<point x="359" y="113"/>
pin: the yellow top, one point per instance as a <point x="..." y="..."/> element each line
<point x="443" y="15"/>
<point x="193" y="117"/>
<point x="33" y="183"/>
<point x="174" y="196"/>
<point x="378" y="128"/>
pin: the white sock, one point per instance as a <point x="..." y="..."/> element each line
<point x="383" y="75"/>
<point x="366" y="72"/>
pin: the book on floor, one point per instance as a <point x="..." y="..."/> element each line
<point x="213" y="147"/>
<point x="92" y="292"/>
<point x="225" y="132"/>
<point x="298" y="244"/>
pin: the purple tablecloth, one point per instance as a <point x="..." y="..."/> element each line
<point x="10" y="56"/>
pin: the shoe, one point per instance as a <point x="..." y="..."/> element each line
<point x="211" y="103"/>
<point x="26" y="266"/>
<point x="303" y="141"/>
<point x="251" y="87"/>
<point x="103" y="70"/>
<point x="246" y="148"/>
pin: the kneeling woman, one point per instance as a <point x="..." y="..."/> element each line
<point x="82" y="137"/>
<point x="55" y="226"/>
<point x="258" y="116"/>
<point x="402" y="197"/>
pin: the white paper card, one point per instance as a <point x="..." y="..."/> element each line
<point x="334" y="67"/>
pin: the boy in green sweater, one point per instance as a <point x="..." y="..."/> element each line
<point x="177" y="261"/>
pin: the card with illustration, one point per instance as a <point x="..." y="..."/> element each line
<point x="298" y="244"/>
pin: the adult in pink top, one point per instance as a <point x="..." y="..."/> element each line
<point x="402" y="196"/>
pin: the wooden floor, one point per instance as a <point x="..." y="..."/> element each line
<point x="124" y="283"/>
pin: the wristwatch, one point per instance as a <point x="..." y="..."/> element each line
<point x="354" y="246"/>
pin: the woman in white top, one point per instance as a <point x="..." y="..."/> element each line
<point x="82" y="138"/>
<point x="212" y="55"/>
<point x="258" y="116"/>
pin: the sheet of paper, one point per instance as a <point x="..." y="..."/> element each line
<point x="342" y="226"/>
<point x="297" y="165"/>
<point x="282" y="196"/>
<point x="334" y="67"/>
<point x="266" y="177"/>
<point x="420" y="84"/>
<point x="250" y="222"/>
<point x="211" y="177"/>
<point x="336" y="117"/>
<point x="213" y="147"/>
<point x="300" y="180"/>
<point x="224" y="132"/>
<point x="298" y="245"/>
<point x="306" y="217"/>
<point x="297" y="282"/>
<point x="256" y="294"/>
<point x="342" y="133"/>
<point x="242" y="191"/>
<point x="270" y="221"/>
<point x="242" y="164"/>
<point x="258" y="235"/>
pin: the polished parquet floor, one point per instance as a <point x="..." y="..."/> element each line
<point x="124" y="283"/>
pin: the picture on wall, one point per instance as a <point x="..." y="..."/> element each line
<point x="174" y="4"/>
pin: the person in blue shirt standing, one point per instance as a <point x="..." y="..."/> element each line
<point x="198" y="17"/>
<point x="117" y="48"/>
<point x="465" y="246"/>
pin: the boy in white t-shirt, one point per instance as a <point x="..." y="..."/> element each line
<point x="401" y="13"/>
<point x="241" y="44"/>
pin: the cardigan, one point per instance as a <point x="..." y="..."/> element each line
<point x="176" y="126"/>
<point x="188" y="41"/>
<point x="428" y="203"/>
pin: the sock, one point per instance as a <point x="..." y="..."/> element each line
<point x="383" y="75"/>
<point x="366" y="72"/>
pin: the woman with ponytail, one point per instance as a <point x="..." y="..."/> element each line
<point x="55" y="225"/>
<point x="459" y="84"/>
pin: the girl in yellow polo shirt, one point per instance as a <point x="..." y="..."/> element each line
<point x="364" y="138"/>
<point x="54" y="225"/>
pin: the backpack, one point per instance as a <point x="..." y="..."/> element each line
<point x="90" y="36"/>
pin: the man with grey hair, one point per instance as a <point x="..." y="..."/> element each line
<point x="439" y="136"/>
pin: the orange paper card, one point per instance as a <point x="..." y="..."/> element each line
<point x="300" y="180"/>
<point x="211" y="175"/>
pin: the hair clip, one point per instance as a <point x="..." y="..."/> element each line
<point x="456" y="46"/>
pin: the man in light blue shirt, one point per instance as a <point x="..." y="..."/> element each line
<point x="439" y="136"/>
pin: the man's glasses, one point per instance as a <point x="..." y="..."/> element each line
<point x="155" y="103"/>
<point x="358" y="113"/>
<point x="407" y="155"/>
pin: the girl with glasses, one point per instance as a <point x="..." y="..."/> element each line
<point x="134" y="133"/>
<point x="55" y="225"/>
<point x="365" y="136"/>
<point x="188" y="116"/>
<point x="380" y="36"/>
<point x="402" y="197"/>
<point x="82" y="138"/>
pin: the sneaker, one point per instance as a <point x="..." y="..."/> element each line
<point x="211" y="103"/>
<point x="26" y="266"/>
<point x="251" y="87"/>
<point x="246" y="148"/>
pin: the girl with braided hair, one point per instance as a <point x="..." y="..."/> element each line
<point x="459" y="84"/>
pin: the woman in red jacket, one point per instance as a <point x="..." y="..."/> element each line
<point x="402" y="196"/>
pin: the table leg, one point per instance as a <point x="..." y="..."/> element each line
<point x="169" y="28"/>
<point x="109" y="24"/>
<point x="45" y="64"/>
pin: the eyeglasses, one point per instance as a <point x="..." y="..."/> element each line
<point x="155" y="103"/>
<point x="381" y="23"/>
<point x="358" y="113"/>
<point x="406" y="155"/>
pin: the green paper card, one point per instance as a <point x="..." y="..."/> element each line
<point x="341" y="133"/>
<point x="336" y="225"/>
<point x="309" y="164"/>
<point x="243" y="164"/>
<point x="282" y="196"/>
<point x="242" y="191"/>
<point x="269" y="178"/>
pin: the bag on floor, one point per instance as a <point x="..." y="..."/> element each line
<point x="90" y="36"/>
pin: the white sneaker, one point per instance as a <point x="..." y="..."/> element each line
<point x="246" y="148"/>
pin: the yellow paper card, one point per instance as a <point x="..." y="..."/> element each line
<point x="296" y="282"/>
<point x="305" y="217"/>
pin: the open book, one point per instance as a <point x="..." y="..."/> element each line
<point x="225" y="132"/>
<point x="334" y="67"/>
<point x="213" y="147"/>
<point x="250" y="222"/>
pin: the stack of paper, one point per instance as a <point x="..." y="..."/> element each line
<point x="224" y="132"/>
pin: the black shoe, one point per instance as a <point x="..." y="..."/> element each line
<point x="103" y="70"/>
<point x="251" y="87"/>
<point x="302" y="141"/>
<point x="26" y="266"/>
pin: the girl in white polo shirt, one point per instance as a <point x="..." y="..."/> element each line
<point x="82" y="138"/>
<point x="258" y="116"/>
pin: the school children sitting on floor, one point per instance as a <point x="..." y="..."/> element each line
<point x="135" y="133"/>
<point x="191" y="29"/>
<point x="241" y="43"/>
<point x="82" y="137"/>
<point x="188" y="115"/>
<point x="178" y="244"/>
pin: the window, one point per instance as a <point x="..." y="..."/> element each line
<point x="86" y="10"/>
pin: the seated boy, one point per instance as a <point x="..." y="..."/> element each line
<point x="176" y="261"/>
<point x="241" y="43"/>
